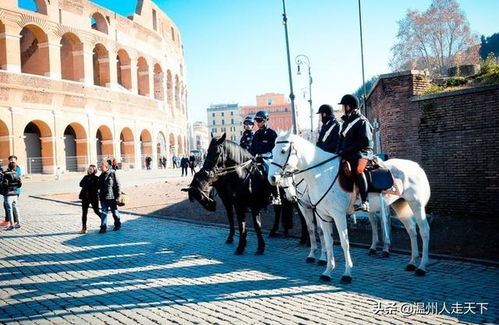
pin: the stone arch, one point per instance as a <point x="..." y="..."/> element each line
<point x="3" y="48"/>
<point x="169" y="91"/>
<point x="72" y="58"/>
<point x="159" y="93"/>
<point x="98" y="22"/>
<point x="177" y="93"/>
<point x="161" y="145"/>
<point x="4" y="144"/>
<point x="39" y="6"/>
<point x="123" y="69"/>
<point x="142" y="76"/>
<point x="34" y="50"/>
<point x="127" y="145"/>
<point x="180" y="145"/>
<point x="101" y="65"/>
<point x="75" y="147"/>
<point x="38" y="144"/>
<point x="104" y="142"/>
<point x="145" y="143"/>
<point x="172" y="144"/>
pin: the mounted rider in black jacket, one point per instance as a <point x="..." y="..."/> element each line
<point x="248" y="134"/>
<point x="329" y="135"/>
<point x="356" y="144"/>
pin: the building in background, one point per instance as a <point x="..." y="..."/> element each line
<point x="225" y="118"/>
<point x="80" y="83"/>
<point x="200" y="137"/>
<point x="279" y="108"/>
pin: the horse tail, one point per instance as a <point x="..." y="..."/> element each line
<point x="402" y="208"/>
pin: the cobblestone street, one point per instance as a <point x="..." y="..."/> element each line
<point x="164" y="271"/>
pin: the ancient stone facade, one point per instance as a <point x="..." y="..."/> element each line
<point x="79" y="83"/>
<point x="452" y="135"/>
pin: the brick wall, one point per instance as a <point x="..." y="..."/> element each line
<point x="452" y="135"/>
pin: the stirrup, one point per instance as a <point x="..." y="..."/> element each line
<point x="364" y="207"/>
<point x="276" y="201"/>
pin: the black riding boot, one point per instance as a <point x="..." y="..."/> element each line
<point x="362" y="183"/>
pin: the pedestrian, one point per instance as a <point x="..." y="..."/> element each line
<point x="329" y="135"/>
<point x="148" y="162"/>
<point x="10" y="183"/>
<point x="89" y="194"/>
<point x="109" y="195"/>
<point x="174" y="165"/>
<point x="184" y="163"/>
<point x="192" y="164"/>
<point x="115" y="164"/>
<point x="163" y="162"/>
<point x="13" y="158"/>
<point x="356" y="145"/>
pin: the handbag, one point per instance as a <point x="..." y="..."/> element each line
<point x="123" y="199"/>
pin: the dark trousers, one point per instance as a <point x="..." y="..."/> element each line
<point x="106" y="206"/>
<point x="84" y="209"/>
<point x="360" y="177"/>
<point x="184" y="170"/>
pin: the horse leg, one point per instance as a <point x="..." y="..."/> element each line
<point x="341" y="226"/>
<point x="323" y="259"/>
<point x="424" y="232"/>
<point x="410" y="227"/>
<point x="308" y="216"/>
<point x="277" y="219"/>
<point x="327" y="229"/>
<point x="374" y="227"/>
<point x="230" y="216"/>
<point x="257" y="223"/>
<point x="241" y="220"/>
<point x="304" y="227"/>
<point x="385" y="227"/>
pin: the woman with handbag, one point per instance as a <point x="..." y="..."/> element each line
<point x="89" y="194"/>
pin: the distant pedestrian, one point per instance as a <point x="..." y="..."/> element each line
<point x="174" y="165"/>
<point x="115" y="164"/>
<point x="10" y="183"/>
<point x="89" y="194"/>
<point x="148" y="162"/>
<point x="163" y="162"/>
<point x="12" y="158"/>
<point x="109" y="194"/>
<point x="184" y="163"/>
<point x="192" y="164"/>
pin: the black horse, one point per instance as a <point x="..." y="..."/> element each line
<point x="233" y="172"/>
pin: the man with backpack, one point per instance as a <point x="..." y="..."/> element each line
<point x="11" y="182"/>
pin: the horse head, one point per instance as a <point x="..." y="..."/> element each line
<point x="199" y="190"/>
<point x="284" y="160"/>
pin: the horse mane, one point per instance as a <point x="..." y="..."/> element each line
<point x="236" y="153"/>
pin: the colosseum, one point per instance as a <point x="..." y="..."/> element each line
<point x="80" y="83"/>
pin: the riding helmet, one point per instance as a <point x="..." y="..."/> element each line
<point x="249" y="120"/>
<point x="263" y="115"/>
<point x="325" y="108"/>
<point x="350" y="100"/>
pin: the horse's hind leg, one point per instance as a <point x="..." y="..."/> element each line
<point x="341" y="225"/>
<point x="327" y="229"/>
<point x="410" y="226"/>
<point x="424" y="231"/>
<point x="230" y="216"/>
<point x="308" y="216"/>
<point x="323" y="259"/>
<point x="304" y="238"/>
<point x="257" y="223"/>
<point x="241" y="220"/>
<point x="374" y="227"/>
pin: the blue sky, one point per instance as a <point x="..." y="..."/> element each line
<point x="234" y="49"/>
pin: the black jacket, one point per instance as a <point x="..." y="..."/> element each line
<point x="109" y="186"/>
<point x="184" y="162"/>
<point x="332" y="141"/>
<point x="246" y="139"/>
<point x="10" y="183"/>
<point x="263" y="141"/>
<point x="357" y="141"/>
<point x="89" y="188"/>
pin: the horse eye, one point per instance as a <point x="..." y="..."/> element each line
<point x="283" y="151"/>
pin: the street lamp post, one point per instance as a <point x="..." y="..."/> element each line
<point x="291" y="94"/>
<point x="300" y="60"/>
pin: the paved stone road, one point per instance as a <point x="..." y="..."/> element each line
<point x="167" y="272"/>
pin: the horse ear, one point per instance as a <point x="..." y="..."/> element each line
<point x="222" y="139"/>
<point x="211" y="135"/>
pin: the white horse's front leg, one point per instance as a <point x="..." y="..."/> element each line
<point x="308" y="215"/>
<point x="341" y="225"/>
<point x="385" y="226"/>
<point x="327" y="229"/>
<point x="374" y="227"/>
<point x="323" y="259"/>
<point x="410" y="226"/>
<point x="424" y="231"/>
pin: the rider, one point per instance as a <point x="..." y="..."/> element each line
<point x="329" y="136"/>
<point x="356" y="144"/>
<point x="247" y="136"/>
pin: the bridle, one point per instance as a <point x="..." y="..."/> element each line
<point x="215" y="171"/>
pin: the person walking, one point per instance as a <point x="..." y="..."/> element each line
<point x="192" y="164"/>
<point x="184" y="163"/>
<point x="10" y="183"/>
<point x="89" y="194"/>
<point x="109" y="194"/>
<point x="12" y="158"/>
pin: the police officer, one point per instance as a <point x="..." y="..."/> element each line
<point x="264" y="138"/>
<point x="356" y="145"/>
<point x="329" y="136"/>
<point x="247" y="136"/>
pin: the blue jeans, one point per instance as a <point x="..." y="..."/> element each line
<point x="10" y="205"/>
<point x="105" y="206"/>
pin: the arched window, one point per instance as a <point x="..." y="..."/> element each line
<point x="34" y="57"/>
<point x="143" y="76"/>
<point x="98" y="22"/>
<point x="39" y="6"/>
<point x="71" y="58"/>
<point x="123" y="69"/>
<point x="101" y="65"/>
<point x="158" y="82"/>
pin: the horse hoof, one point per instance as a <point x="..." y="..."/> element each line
<point x="325" y="278"/>
<point x="229" y="241"/>
<point x="385" y="254"/>
<point x="410" y="268"/>
<point x="273" y="234"/>
<point x="346" y="279"/>
<point x="259" y="252"/>
<point x="310" y="260"/>
<point x="371" y="252"/>
<point x="420" y="272"/>
<point x="321" y="263"/>
<point x="239" y="251"/>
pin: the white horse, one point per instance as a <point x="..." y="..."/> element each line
<point x="295" y="155"/>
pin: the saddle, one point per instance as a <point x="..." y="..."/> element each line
<point x="379" y="178"/>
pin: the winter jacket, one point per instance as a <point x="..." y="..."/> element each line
<point x="89" y="188"/>
<point x="109" y="186"/>
<point x="263" y="141"/>
<point x="184" y="162"/>
<point x="356" y="137"/>
<point x="10" y="183"/>
<point x="329" y="136"/>
<point x="246" y="139"/>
